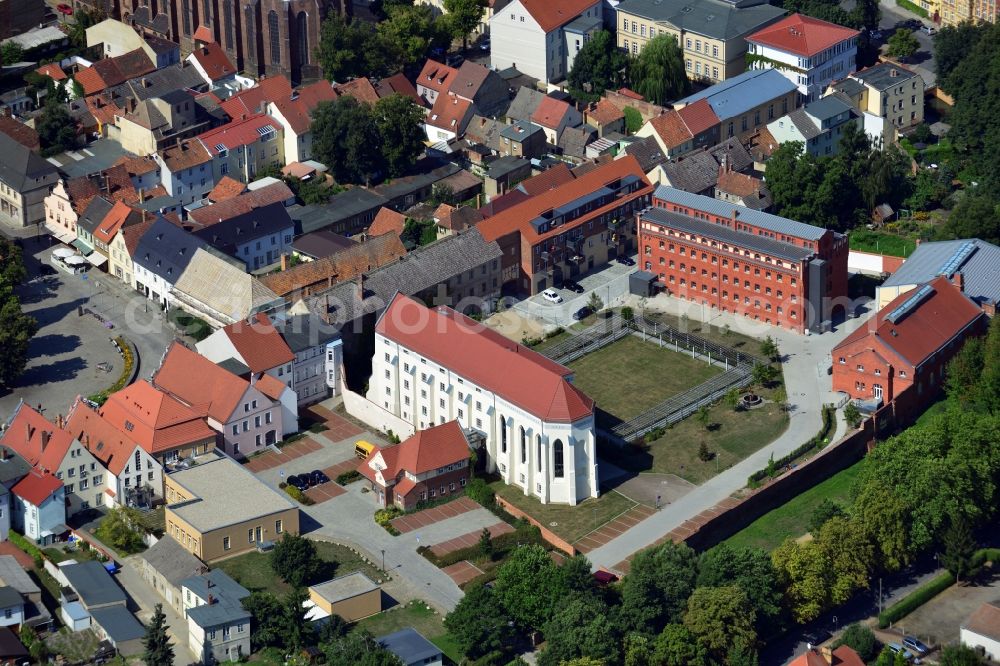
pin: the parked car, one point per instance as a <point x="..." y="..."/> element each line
<point x="299" y="482"/>
<point x="900" y="650"/>
<point x="573" y="286"/>
<point x="625" y="261"/>
<point x="582" y="313"/>
<point x="63" y="8"/>
<point x="454" y="60"/>
<point x="875" y="34"/>
<point x="927" y="30"/>
<point x="317" y="477"/>
<point x="485" y="45"/>
<point x="552" y="296"/>
<point x="915" y="645"/>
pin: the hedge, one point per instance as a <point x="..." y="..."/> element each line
<point x="915" y="599"/>
<point x="525" y="534"/>
<point x="916" y="9"/>
<point x="297" y="495"/>
<point x="350" y="476"/>
<point x="128" y="361"/>
<point x="28" y="547"/>
<point x="817" y="442"/>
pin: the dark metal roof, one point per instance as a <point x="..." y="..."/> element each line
<point x="345" y="205"/>
<point x="166" y="250"/>
<point x="93" y="584"/>
<point x="230" y="233"/>
<point x="21" y="169"/>
<point x="410" y="646"/>
<point x="302" y="332"/>
<point x="118" y="623"/>
<point x="171" y="560"/>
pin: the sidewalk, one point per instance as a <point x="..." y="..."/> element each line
<point x="808" y="388"/>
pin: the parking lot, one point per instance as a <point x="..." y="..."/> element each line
<point x="609" y="283"/>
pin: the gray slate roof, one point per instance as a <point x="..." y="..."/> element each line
<point x="648" y="152"/>
<point x="980" y="270"/>
<point x="341" y="206"/>
<point x="734" y="97"/>
<point x="712" y="18"/>
<point x="302" y="332"/>
<point x="410" y="646"/>
<point x="781" y="225"/>
<point x="171" y="560"/>
<point x="96" y="211"/>
<point x="322" y="243"/>
<point x="849" y="87"/>
<point x="161" y="82"/>
<point x="524" y="104"/>
<point x="695" y="172"/>
<point x="93" y="583"/>
<point x="502" y="166"/>
<point x="14" y="575"/>
<point x="12" y="468"/>
<point x="21" y="169"/>
<point x="807" y="128"/>
<point x="118" y="623"/>
<point x="884" y="75"/>
<point x="166" y="250"/>
<point x="226" y="596"/>
<point x="9" y="597"/>
<point x="574" y="140"/>
<point x="725" y="234"/>
<point x="227" y="235"/>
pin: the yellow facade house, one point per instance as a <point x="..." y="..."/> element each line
<point x="217" y="509"/>
<point x="711" y="33"/>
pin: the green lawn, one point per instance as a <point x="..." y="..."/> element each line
<point x="569" y="522"/>
<point x="418" y="615"/>
<point x="717" y="334"/>
<point x="253" y="570"/>
<point x="876" y="242"/>
<point x="630" y="376"/>
<point x="791" y="518"/>
<point x="732" y="437"/>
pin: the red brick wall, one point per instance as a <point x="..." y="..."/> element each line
<point x="550" y="537"/>
<point x="847" y="377"/>
<point x="445" y="480"/>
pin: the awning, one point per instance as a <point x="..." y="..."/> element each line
<point x="63" y="252"/>
<point x="61" y="233"/>
<point x="82" y="246"/>
<point x="55" y="530"/>
<point x="96" y="258"/>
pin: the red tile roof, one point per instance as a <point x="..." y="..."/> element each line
<point x="254" y="100"/>
<point x="36" y="439"/>
<point x="551" y="14"/>
<point x="213" y="60"/>
<point x="360" y="89"/>
<point x="436" y="76"/>
<point x="53" y="71"/>
<point x="425" y="451"/>
<point x="699" y="117"/>
<point x="241" y="203"/>
<point x="802" y="35"/>
<point x="208" y="389"/>
<point x="137" y="166"/>
<point x="450" y="113"/>
<point x="157" y="421"/>
<point x="235" y="133"/>
<point x="226" y="188"/>
<point x="189" y="153"/>
<point x="387" y="221"/>
<point x="134" y="232"/>
<point x="984" y="621"/>
<point x="298" y="111"/>
<point x="842" y="656"/>
<point x="259" y="343"/>
<point x="108" y="444"/>
<point x="518" y="218"/>
<point x="103" y="110"/>
<point x="558" y="175"/>
<point x="628" y="92"/>
<point x="671" y="129"/>
<point x="456" y="219"/>
<point x="521" y="376"/>
<point x="604" y="112"/>
<point x="739" y="184"/>
<point x="204" y="34"/>
<point x="550" y="112"/>
<point x="270" y="386"/>
<point x="113" y="222"/>
<point x="399" y="84"/>
<point x="24" y="135"/>
<point x="37" y="487"/>
<point x="923" y="330"/>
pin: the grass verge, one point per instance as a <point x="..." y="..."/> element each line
<point x="421" y="617"/>
<point x="253" y="570"/>
<point x="569" y="522"/>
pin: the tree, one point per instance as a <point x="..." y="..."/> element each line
<point x="952" y="45"/>
<point x="408" y="33"/>
<point x="56" y="129"/>
<point x="780" y="398"/>
<point x="964" y="371"/>
<point x="344" y="133"/>
<point x="122" y="529"/>
<point x="959" y="547"/>
<point x="638" y="650"/>
<point x="580" y="628"/>
<point x="658" y="73"/>
<point x="762" y="374"/>
<point x="358" y="648"/>
<point x="479" y="624"/>
<point x="752" y="571"/>
<point x="486" y="543"/>
<point x="157" y="650"/>
<point x="598" y="65"/>
<point x="959" y="654"/>
<point x="805" y="575"/>
<point x="866" y="14"/>
<point x="594" y="302"/>
<point x="265" y="611"/>
<point x="704" y="417"/>
<point x="11" y="53"/>
<point x="741" y="654"/>
<point x="294" y="627"/>
<point x="769" y="349"/>
<point x="850" y="558"/>
<point x="882" y="518"/>
<point x="294" y="558"/>
<point x="464" y="16"/>
<point x="732" y="398"/>
<point x="975" y="216"/>
<point x="527" y="586"/>
<point x="348" y="50"/>
<point x="678" y="646"/>
<point x="704" y="453"/>
<point x="903" y="44"/>
<point x="400" y="126"/>
<point x="16" y="328"/>
<point x="889" y="658"/>
<point x="861" y="639"/>
<point x="659" y="583"/>
<point x="852" y="415"/>
<point x="633" y="120"/>
<point x="823" y="512"/>
<point x="575" y="576"/>
<point x="721" y="617"/>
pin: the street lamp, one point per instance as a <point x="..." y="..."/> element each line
<point x="383" y="560"/>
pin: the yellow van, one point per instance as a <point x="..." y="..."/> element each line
<point x="363" y="449"/>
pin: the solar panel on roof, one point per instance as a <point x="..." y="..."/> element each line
<point x="910" y="303"/>
<point x="220" y="147"/>
<point x="265" y="129"/>
<point x="957" y="258"/>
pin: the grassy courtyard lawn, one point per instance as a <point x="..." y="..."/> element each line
<point x="418" y="615"/>
<point x="717" y="334"/>
<point x="630" y="376"/>
<point x="569" y="522"/>
<point x="863" y="240"/>
<point x="734" y="436"/>
<point x="791" y="518"/>
<point x="76" y="647"/>
<point x="253" y="570"/>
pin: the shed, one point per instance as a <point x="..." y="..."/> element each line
<point x="352" y="597"/>
<point x="641" y="283"/>
<point x="412" y="648"/>
<point x="119" y="626"/>
<point x="74" y="616"/>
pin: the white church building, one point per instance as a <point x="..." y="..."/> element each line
<point x="436" y="365"/>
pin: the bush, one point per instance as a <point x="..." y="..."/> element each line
<point x="861" y="639"/>
<point x="915" y="600"/>
<point x="298" y="495"/>
<point x="350" y="476"/>
<point x="774" y="467"/>
<point x="128" y="361"/>
<point x="384" y="516"/>
<point x="502" y="545"/>
<point x="28" y="547"/>
<point x="480" y="492"/>
<point x="906" y="4"/>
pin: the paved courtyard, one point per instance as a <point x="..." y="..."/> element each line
<point x="415" y="521"/>
<point x="462" y="572"/>
<point x="284" y="455"/>
<point x="469" y="539"/>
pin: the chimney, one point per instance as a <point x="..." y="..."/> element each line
<point x="284" y="261"/>
<point x="59" y="421"/>
<point x="893" y="72"/>
<point x="360" y="280"/>
<point x="958" y="281"/>
<point x="211" y="598"/>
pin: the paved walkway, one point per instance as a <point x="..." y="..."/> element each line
<point x="613" y="528"/>
<point x="462" y="572"/>
<point x="415" y="521"/>
<point x="284" y="455"/>
<point x="469" y="539"/>
<point x="339" y="428"/>
<point x="324" y="492"/>
<point x="806" y="359"/>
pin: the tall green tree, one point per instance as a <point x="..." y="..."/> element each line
<point x="659" y="583"/>
<point x="56" y="129"/>
<point x="294" y="626"/>
<point x="350" y="49"/>
<point x="121" y="528"/>
<point x="959" y="654"/>
<point x="294" y="558"/>
<point x="11" y="53"/>
<point x="157" y="650"/>
<point x="16" y="328"/>
<point x="408" y="33"/>
<point x="678" y="646"/>
<point x="752" y="571"/>
<point x="400" y="126"/>
<point x="902" y="44"/>
<point x="358" y="648"/>
<point x="977" y="215"/>
<point x="964" y="372"/>
<point x="658" y="72"/>
<point x="464" y="16"/>
<point x="861" y="639"/>
<point x="266" y="613"/>
<point x="959" y="547"/>
<point x="344" y="136"/>
<point x="806" y="576"/>
<point x="598" y="65"/>
<point x="528" y="586"/>
<point x="952" y="44"/>
<point x="479" y="624"/>
<point x="580" y="628"/>
<point x="850" y="555"/>
<point x="721" y="617"/>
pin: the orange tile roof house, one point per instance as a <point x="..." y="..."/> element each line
<point x="606" y="117"/>
<point x="387" y="221"/>
<point x="162" y="425"/>
<point x="432" y="366"/>
<point x="431" y="464"/>
<point x="908" y="343"/>
<point x="579" y="224"/>
<point x="230" y="146"/>
<point x="211" y="61"/>
<point x="245" y="419"/>
<point x="448" y="118"/>
<point x="294" y="112"/>
<point x="39" y="510"/>
<point x="134" y="477"/>
<point x="680" y="132"/>
<point x="435" y="79"/>
<point x="825" y="656"/>
<point x="553" y="116"/>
